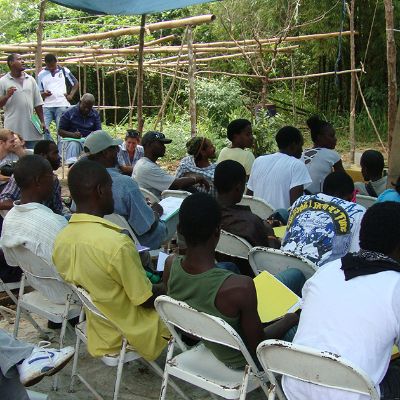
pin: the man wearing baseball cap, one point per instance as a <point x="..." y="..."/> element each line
<point x="128" y="199"/>
<point x="149" y="175"/>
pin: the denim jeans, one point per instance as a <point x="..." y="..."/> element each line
<point x="53" y="114"/>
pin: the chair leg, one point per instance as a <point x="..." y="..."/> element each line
<point x="119" y="369"/>
<point x="74" y="364"/>
<point x="243" y="388"/>
<point x="18" y="316"/>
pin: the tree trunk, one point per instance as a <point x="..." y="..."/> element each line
<point x="140" y="77"/>
<point x="391" y="70"/>
<point x="39" y="36"/>
<point x="394" y="154"/>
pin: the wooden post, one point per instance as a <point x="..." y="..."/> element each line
<point x="394" y="154"/>
<point x="140" y="77"/>
<point x="39" y="36"/>
<point x="391" y="71"/>
<point x="191" y="73"/>
<point x="352" y="83"/>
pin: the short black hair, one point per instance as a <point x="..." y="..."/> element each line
<point x="339" y="184"/>
<point x="380" y="227"/>
<point x="50" y="58"/>
<point x="84" y="176"/>
<point x="43" y="147"/>
<point x="236" y="126"/>
<point x="30" y="167"/>
<point x="227" y="174"/>
<point x="288" y="135"/>
<point x="317" y="126"/>
<point x="373" y="161"/>
<point x="132" y="133"/>
<point x="397" y="185"/>
<point x="199" y="217"/>
<point x="11" y="58"/>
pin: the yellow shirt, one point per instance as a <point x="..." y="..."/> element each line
<point x="244" y="157"/>
<point x="93" y="253"/>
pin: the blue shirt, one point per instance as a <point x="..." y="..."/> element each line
<point x="388" y="195"/>
<point x="130" y="203"/>
<point x="72" y="120"/>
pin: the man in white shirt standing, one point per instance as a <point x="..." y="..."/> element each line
<point x="58" y="87"/>
<point x="280" y="178"/>
<point x="20" y="96"/>
<point x="351" y="307"/>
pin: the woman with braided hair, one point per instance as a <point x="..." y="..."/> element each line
<point x="200" y="150"/>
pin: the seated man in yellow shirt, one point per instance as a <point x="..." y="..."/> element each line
<point x="93" y="253"/>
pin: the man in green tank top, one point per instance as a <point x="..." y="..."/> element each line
<point x="195" y="280"/>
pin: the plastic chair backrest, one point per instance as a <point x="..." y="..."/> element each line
<point x="258" y="206"/>
<point x="204" y="326"/>
<point x="182" y="194"/>
<point x="309" y="365"/>
<point x="41" y="275"/>
<point x="233" y="245"/>
<point x="274" y="261"/>
<point x="365" y="201"/>
<point x="149" y="195"/>
<point x="123" y="223"/>
<point x="87" y="301"/>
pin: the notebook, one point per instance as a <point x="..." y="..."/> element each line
<point x="274" y="298"/>
<point x="36" y="123"/>
<point x="171" y="206"/>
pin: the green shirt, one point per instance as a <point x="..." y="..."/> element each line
<point x="200" y="291"/>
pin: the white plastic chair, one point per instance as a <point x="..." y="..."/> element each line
<point x="275" y="261"/>
<point x="149" y="195"/>
<point x="365" y="201"/>
<point x="182" y="194"/>
<point x="52" y="298"/>
<point x="198" y="365"/>
<point x="258" y="206"/>
<point x="125" y="355"/>
<point x="123" y="223"/>
<point x="306" y="364"/>
<point x="234" y="246"/>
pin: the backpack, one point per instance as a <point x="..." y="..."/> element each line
<point x="68" y="83"/>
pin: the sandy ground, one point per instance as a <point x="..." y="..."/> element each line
<point x="138" y="380"/>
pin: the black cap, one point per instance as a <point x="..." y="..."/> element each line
<point x="132" y="133"/>
<point x="153" y="136"/>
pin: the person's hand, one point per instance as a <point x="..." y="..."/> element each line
<point x="77" y="135"/>
<point x="10" y="91"/>
<point x="274" y="222"/>
<point x="47" y="93"/>
<point x="68" y="97"/>
<point x="291" y="318"/>
<point x="43" y="126"/>
<point x="157" y="209"/>
<point x="200" y="180"/>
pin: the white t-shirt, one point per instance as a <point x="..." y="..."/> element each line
<point x="151" y="176"/>
<point x="273" y="175"/>
<point x="319" y="162"/>
<point x="358" y="319"/>
<point x="323" y="228"/>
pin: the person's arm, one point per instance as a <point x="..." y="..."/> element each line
<point x="126" y="169"/>
<point x="3" y="99"/>
<point x="185" y="182"/>
<point x="158" y="290"/>
<point x="65" y="128"/>
<point x="67" y="134"/>
<point x="295" y="193"/>
<point x="249" y="192"/>
<point x="10" y="193"/>
<point x="39" y="112"/>
<point x="73" y="91"/>
<point x="6" y="204"/>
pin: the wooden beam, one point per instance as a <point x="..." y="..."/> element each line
<point x="140" y="76"/>
<point x="352" y="121"/>
<point x="192" y="91"/>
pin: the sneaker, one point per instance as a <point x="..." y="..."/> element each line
<point x="43" y="362"/>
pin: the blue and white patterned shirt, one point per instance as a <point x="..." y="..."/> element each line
<point x="124" y="158"/>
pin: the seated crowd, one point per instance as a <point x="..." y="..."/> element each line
<point x="349" y="306"/>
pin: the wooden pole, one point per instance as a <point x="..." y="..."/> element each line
<point x="192" y="90"/>
<point x="39" y="36"/>
<point x="391" y="71"/>
<point x="394" y="155"/>
<point x="140" y="76"/>
<point x="352" y="139"/>
<point x="134" y="30"/>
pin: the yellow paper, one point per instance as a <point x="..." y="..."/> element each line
<point x="280" y="231"/>
<point x="274" y="298"/>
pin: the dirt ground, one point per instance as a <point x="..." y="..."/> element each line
<point x="138" y="381"/>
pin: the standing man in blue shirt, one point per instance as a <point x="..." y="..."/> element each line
<point x="58" y="87"/>
<point x="76" y="123"/>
